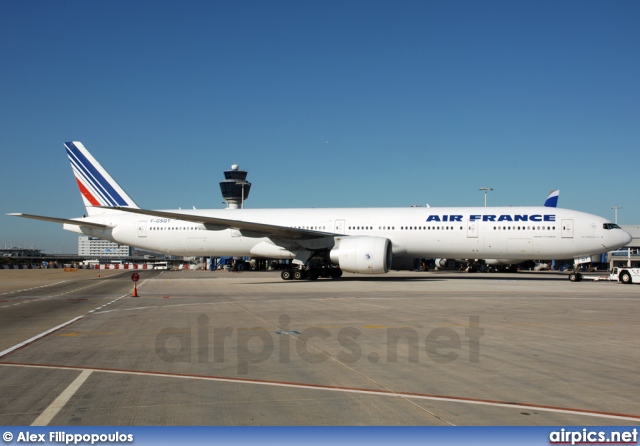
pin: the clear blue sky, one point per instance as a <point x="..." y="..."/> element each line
<point x="325" y="103"/>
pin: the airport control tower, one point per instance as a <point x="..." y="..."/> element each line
<point x="235" y="188"/>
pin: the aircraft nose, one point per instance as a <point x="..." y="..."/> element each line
<point x="626" y="237"/>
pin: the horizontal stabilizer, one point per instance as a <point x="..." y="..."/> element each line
<point x="62" y="220"/>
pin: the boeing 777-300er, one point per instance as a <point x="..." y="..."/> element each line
<point x="328" y="242"/>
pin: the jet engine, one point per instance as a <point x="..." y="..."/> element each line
<point x="363" y="254"/>
<point x="442" y="263"/>
<point x="501" y="261"/>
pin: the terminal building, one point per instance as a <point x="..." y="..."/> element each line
<point x="94" y="247"/>
<point x="628" y="256"/>
<point x="20" y="252"/>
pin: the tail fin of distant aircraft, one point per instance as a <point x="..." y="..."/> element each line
<point x="552" y="199"/>
<point x="96" y="186"/>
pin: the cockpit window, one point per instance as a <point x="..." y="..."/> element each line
<point x="610" y="226"/>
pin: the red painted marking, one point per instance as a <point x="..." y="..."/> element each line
<point x="327" y="387"/>
<point x="85" y="192"/>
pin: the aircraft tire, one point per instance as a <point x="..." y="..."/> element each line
<point x="625" y="278"/>
<point x="311" y="275"/>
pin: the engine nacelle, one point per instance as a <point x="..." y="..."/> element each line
<point x="363" y="254"/>
<point x="442" y="263"/>
<point x="501" y="261"/>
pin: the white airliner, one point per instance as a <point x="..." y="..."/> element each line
<point x="358" y="240"/>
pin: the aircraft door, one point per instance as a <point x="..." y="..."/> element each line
<point x="142" y="229"/>
<point x="339" y="227"/>
<point x="472" y="229"/>
<point x="567" y="228"/>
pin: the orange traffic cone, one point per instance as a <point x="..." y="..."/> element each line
<point x="135" y="291"/>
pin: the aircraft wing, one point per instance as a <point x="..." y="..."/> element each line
<point x="62" y="220"/>
<point x="213" y="223"/>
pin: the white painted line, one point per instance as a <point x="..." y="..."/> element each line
<point x="32" y="288"/>
<point x="37" y="299"/>
<point x="36" y="337"/>
<point x="320" y="387"/>
<point x="45" y="333"/>
<point x="45" y="417"/>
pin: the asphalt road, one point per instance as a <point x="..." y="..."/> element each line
<point x="221" y="348"/>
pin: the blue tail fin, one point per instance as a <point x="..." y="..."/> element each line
<point x="552" y="199"/>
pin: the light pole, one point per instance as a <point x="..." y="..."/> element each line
<point x="485" y="189"/>
<point x="616" y="209"/>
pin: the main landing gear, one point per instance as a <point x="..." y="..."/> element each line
<point x="310" y="273"/>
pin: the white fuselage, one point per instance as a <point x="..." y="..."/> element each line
<point x="465" y="233"/>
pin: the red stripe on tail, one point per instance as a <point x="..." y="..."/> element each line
<point x="85" y="193"/>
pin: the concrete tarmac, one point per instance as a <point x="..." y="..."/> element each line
<point x="406" y="348"/>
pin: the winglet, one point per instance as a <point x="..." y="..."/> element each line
<point x="552" y="199"/>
